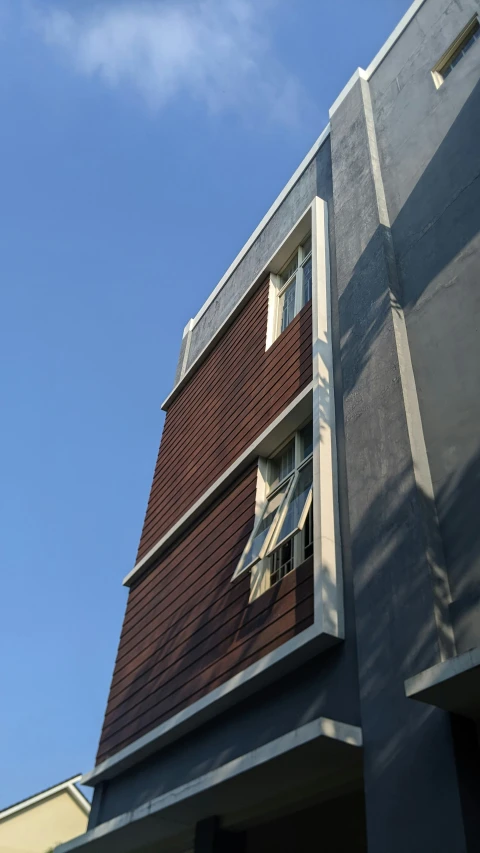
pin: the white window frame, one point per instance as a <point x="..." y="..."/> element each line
<point x="260" y="565"/>
<point x="455" y="50"/>
<point x="279" y="287"/>
<point x="300" y="463"/>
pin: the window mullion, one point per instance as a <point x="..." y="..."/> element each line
<point x="298" y="450"/>
<point x="298" y="289"/>
<point x="305" y="511"/>
<point x="297" y="550"/>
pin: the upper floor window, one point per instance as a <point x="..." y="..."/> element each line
<point x="467" y="38"/>
<point x="282" y="536"/>
<point x="295" y="285"/>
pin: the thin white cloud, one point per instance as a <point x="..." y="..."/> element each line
<point x="215" y="51"/>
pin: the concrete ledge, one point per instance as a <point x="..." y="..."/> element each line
<point x="453" y="685"/>
<point x="270" y="668"/>
<point x="323" y="754"/>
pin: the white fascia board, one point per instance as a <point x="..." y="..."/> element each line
<point x="218" y="486"/>
<point x="79" y="798"/>
<point x="319" y="728"/>
<point x="68" y="785"/>
<point x="360" y="73"/>
<point x="393" y="38"/>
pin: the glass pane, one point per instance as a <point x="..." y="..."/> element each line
<point x="281" y="562"/>
<point x="306" y="440"/>
<point x="288" y="306"/>
<point x="462" y="50"/>
<point x="264" y="525"/>
<point x="307" y="246"/>
<point x="307" y="281"/>
<point x="469" y="43"/>
<point x="297" y="502"/>
<point x="283" y="464"/>
<point x="308" y="535"/>
<point x="290" y="268"/>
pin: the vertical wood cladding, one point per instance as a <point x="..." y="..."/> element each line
<point x="188" y="628"/>
<point x="233" y="396"/>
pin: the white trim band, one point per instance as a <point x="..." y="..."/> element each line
<point x="393" y="38"/>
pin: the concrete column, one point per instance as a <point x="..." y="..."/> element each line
<point x="414" y="799"/>
<point x="210" y="838"/>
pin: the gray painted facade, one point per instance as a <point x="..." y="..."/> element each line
<point x="400" y="171"/>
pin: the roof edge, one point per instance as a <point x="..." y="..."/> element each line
<point x="69" y="785"/>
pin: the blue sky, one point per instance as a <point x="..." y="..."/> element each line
<point x="141" y="144"/>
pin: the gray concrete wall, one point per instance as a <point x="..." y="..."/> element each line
<point x="430" y="158"/>
<point x="405" y="745"/>
<point x="407" y="224"/>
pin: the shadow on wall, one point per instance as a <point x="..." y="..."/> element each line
<point x="439" y="222"/>
<point x="435" y="225"/>
<point x="436" y="239"/>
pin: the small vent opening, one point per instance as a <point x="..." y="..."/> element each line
<point x="462" y="44"/>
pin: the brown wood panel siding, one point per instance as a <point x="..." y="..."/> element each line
<point x="229" y="401"/>
<point x="188" y="628"/>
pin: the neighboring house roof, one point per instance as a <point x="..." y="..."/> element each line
<point x="69" y="785"/>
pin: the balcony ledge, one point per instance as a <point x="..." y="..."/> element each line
<point x="453" y="685"/>
<point x="322" y="753"/>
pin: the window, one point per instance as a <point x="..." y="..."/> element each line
<point x="467" y="38"/>
<point x="294" y="285"/>
<point x="282" y="536"/>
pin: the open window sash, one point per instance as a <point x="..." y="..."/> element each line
<point x="294" y="513"/>
<point x="265" y="527"/>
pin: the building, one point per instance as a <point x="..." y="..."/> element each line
<point x="299" y="665"/>
<point x="38" y="824"/>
